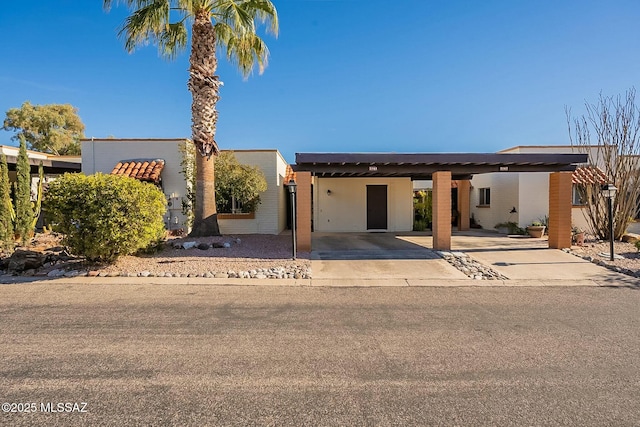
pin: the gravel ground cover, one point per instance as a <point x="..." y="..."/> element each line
<point x="244" y="256"/>
<point x="252" y="254"/>
<point x="628" y="261"/>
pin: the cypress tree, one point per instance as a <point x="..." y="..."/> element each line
<point x="6" y="208"/>
<point x="24" y="212"/>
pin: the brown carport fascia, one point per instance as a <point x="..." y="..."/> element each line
<point x="423" y="165"/>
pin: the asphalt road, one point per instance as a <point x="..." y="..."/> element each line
<point x="209" y="355"/>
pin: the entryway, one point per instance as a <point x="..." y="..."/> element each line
<point x="376" y="207"/>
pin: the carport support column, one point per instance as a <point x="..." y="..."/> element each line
<point x="442" y="210"/>
<point x="303" y="205"/>
<point x="464" y="202"/>
<point x="560" y="210"/>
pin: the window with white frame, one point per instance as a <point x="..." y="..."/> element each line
<point x="485" y="196"/>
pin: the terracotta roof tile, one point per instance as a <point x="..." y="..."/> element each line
<point x="586" y="175"/>
<point x="142" y="169"/>
<point x="289" y="175"/>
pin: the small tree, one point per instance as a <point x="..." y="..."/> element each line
<point x="237" y="183"/>
<point x="6" y="207"/>
<point x="614" y="123"/>
<point x="24" y="211"/>
<point x="52" y="128"/>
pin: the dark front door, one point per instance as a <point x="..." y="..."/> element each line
<point x="376" y="207"/>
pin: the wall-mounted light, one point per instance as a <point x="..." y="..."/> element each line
<point x="513" y="210"/>
<point x="328" y="192"/>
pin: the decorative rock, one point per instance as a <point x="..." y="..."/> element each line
<point x="260" y="276"/>
<point x="203" y="246"/>
<point x="188" y="245"/>
<point x="238" y="241"/>
<point x="145" y="274"/>
<point x="72" y="273"/>
<point x="55" y="273"/>
<point x="631" y="237"/>
<point x="93" y="273"/>
<point x="226" y="245"/>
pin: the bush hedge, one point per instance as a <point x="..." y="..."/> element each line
<point x="105" y="216"/>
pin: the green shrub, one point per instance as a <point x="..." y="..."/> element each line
<point x="419" y="225"/>
<point x="105" y="216"/>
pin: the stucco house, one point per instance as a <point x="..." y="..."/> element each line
<point x="159" y="161"/>
<point x="344" y="192"/>
<point x="523" y="197"/>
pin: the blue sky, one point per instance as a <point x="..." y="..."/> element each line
<point x="344" y="75"/>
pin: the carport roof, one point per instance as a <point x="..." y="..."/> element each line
<point x="423" y="165"/>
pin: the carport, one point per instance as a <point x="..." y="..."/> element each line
<point x="441" y="169"/>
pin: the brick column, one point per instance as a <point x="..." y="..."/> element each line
<point x="303" y="217"/>
<point x="442" y="210"/>
<point x="560" y="210"/>
<point x="464" y="205"/>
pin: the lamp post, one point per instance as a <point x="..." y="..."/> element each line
<point x="609" y="191"/>
<point x="292" y="187"/>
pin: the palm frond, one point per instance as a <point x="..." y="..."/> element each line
<point x="245" y="50"/>
<point x="173" y="39"/>
<point x="237" y="17"/>
<point x="145" y="24"/>
<point x="265" y="12"/>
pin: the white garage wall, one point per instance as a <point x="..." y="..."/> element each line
<point x="345" y="209"/>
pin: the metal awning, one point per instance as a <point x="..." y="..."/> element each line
<point x="423" y="165"/>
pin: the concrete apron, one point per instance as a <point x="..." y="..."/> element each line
<point x="404" y="259"/>
<point x="375" y="259"/>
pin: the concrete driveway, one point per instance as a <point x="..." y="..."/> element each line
<point x="375" y="259"/>
<point x="390" y="258"/>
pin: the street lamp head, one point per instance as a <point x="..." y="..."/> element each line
<point x="609" y="190"/>
<point x="292" y="186"/>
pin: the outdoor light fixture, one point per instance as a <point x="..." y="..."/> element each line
<point x="609" y="191"/>
<point x="513" y="210"/>
<point x="292" y="187"/>
<point x="328" y="192"/>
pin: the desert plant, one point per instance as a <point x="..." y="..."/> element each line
<point x="105" y="216"/>
<point x="512" y="227"/>
<point x="6" y="206"/>
<point x="419" y="225"/>
<point x="22" y="195"/>
<point x="423" y="206"/>
<point x="610" y="133"/>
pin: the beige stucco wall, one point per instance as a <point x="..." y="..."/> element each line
<point x="345" y="210"/>
<point x="271" y="216"/>
<point x="101" y="155"/>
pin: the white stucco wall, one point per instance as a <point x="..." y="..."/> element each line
<point x="271" y="216"/>
<point x="101" y="155"/>
<point x="345" y="210"/>
<point x="504" y="196"/>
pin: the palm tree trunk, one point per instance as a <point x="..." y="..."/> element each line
<point x="205" y="222"/>
<point x="204" y="87"/>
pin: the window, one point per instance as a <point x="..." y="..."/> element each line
<point x="578" y="195"/>
<point x="485" y="196"/>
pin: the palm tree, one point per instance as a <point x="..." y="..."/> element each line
<point x="226" y="24"/>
